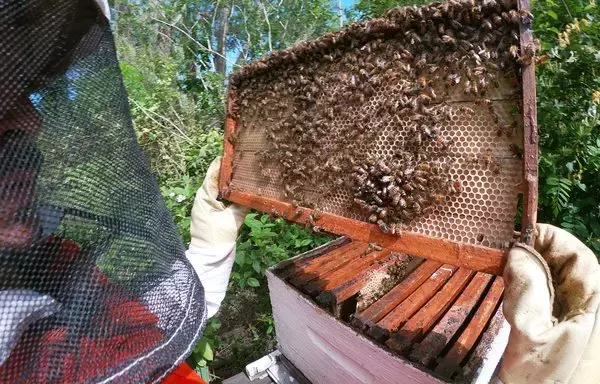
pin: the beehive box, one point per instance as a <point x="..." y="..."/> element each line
<point x="350" y="312"/>
<point x="416" y="131"/>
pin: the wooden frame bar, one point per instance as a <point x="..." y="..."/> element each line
<point x="397" y="295"/>
<point x="450" y="324"/>
<point x="339" y="259"/>
<point x="463" y="345"/>
<point x="338" y="276"/>
<point x="306" y="265"/>
<point x="350" y="287"/>
<point x="424" y="320"/>
<point x="393" y="320"/>
<point x="530" y="131"/>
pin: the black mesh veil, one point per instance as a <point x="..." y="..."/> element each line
<point x="94" y="283"/>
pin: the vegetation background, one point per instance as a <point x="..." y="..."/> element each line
<point x="176" y="56"/>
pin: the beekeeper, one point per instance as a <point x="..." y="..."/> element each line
<point x="552" y="295"/>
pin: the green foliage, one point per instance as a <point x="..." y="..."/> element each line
<point x="568" y="89"/>
<point x="203" y="353"/>
<point x="263" y="242"/>
<point x="179" y="192"/>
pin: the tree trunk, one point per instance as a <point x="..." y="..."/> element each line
<point x="220" y="56"/>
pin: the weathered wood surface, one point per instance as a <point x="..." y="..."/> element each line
<point x="475" y="257"/>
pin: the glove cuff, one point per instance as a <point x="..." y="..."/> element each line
<point x="542" y="263"/>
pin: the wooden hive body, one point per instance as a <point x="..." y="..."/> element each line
<point x="435" y="323"/>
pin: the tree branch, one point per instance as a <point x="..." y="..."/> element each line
<point x="269" y="39"/>
<point x="193" y="40"/>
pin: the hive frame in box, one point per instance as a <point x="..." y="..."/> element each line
<point x="321" y="343"/>
<point x="472" y="256"/>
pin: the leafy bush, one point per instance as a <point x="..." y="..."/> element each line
<point x="179" y="192"/>
<point x="568" y="89"/>
<point x="203" y="353"/>
<point x="263" y="242"/>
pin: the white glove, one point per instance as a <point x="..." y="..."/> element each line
<point x="552" y="302"/>
<point x="214" y="230"/>
<point x="214" y="224"/>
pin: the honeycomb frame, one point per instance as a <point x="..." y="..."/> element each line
<point x="441" y="235"/>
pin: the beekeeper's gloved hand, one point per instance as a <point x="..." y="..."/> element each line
<point x="552" y="301"/>
<point x="214" y="229"/>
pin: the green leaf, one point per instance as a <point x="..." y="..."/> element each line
<point x="204" y="350"/>
<point x="251" y="222"/>
<point x="256" y="266"/>
<point x="252" y="282"/>
<point x="205" y="374"/>
<point x="240" y="258"/>
<point x="303" y="243"/>
<point x="552" y="14"/>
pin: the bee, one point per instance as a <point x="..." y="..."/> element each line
<point x="496" y="168"/>
<point x="514" y="51"/>
<point x="466" y="110"/>
<point x="373" y="218"/>
<point x="438" y="198"/>
<point x="448" y="40"/>
<point x="468" y="88"/>
<point x="421" y="180"/>
<point x="516" y="151"/>
<point x="375" y="247"/>
<point x="421" y="63"/>
<point x="383" y="226"/>
<point x="452" y="79"/>
<point x="233" y="137"/>
<point x="487" y="24"/>
<point x="483" y="102"/>
<point x="432" y="93"/>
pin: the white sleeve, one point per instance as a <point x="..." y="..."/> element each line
<point x="213" y="267"/>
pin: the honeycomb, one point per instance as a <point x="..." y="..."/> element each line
<point x="423" y="85"/>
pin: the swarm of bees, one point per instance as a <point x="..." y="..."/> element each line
<point x="325" y="120"/>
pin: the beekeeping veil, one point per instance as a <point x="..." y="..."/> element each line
<point x="94" y="284"/>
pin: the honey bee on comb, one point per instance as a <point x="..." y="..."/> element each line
<point x="371" y="122"/>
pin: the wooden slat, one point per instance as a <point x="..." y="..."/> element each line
<point x="413" y="303"/>
<point x="530" y="131"/>
<point x="461" y="348"/>
<point x="470" y="256"/>
<point x="321" y="267"/>
<point x="321" y="258"/>
<point x="352" y="286"/>
<point x="433" y="344"/>
<point x="488" y="352"/>
<point x="398" y="294"/>
<point x="339" y="275"/>
<point x="422" y="322"/>
<point x="307" y="256"/>
<point x="226" y="171"/>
